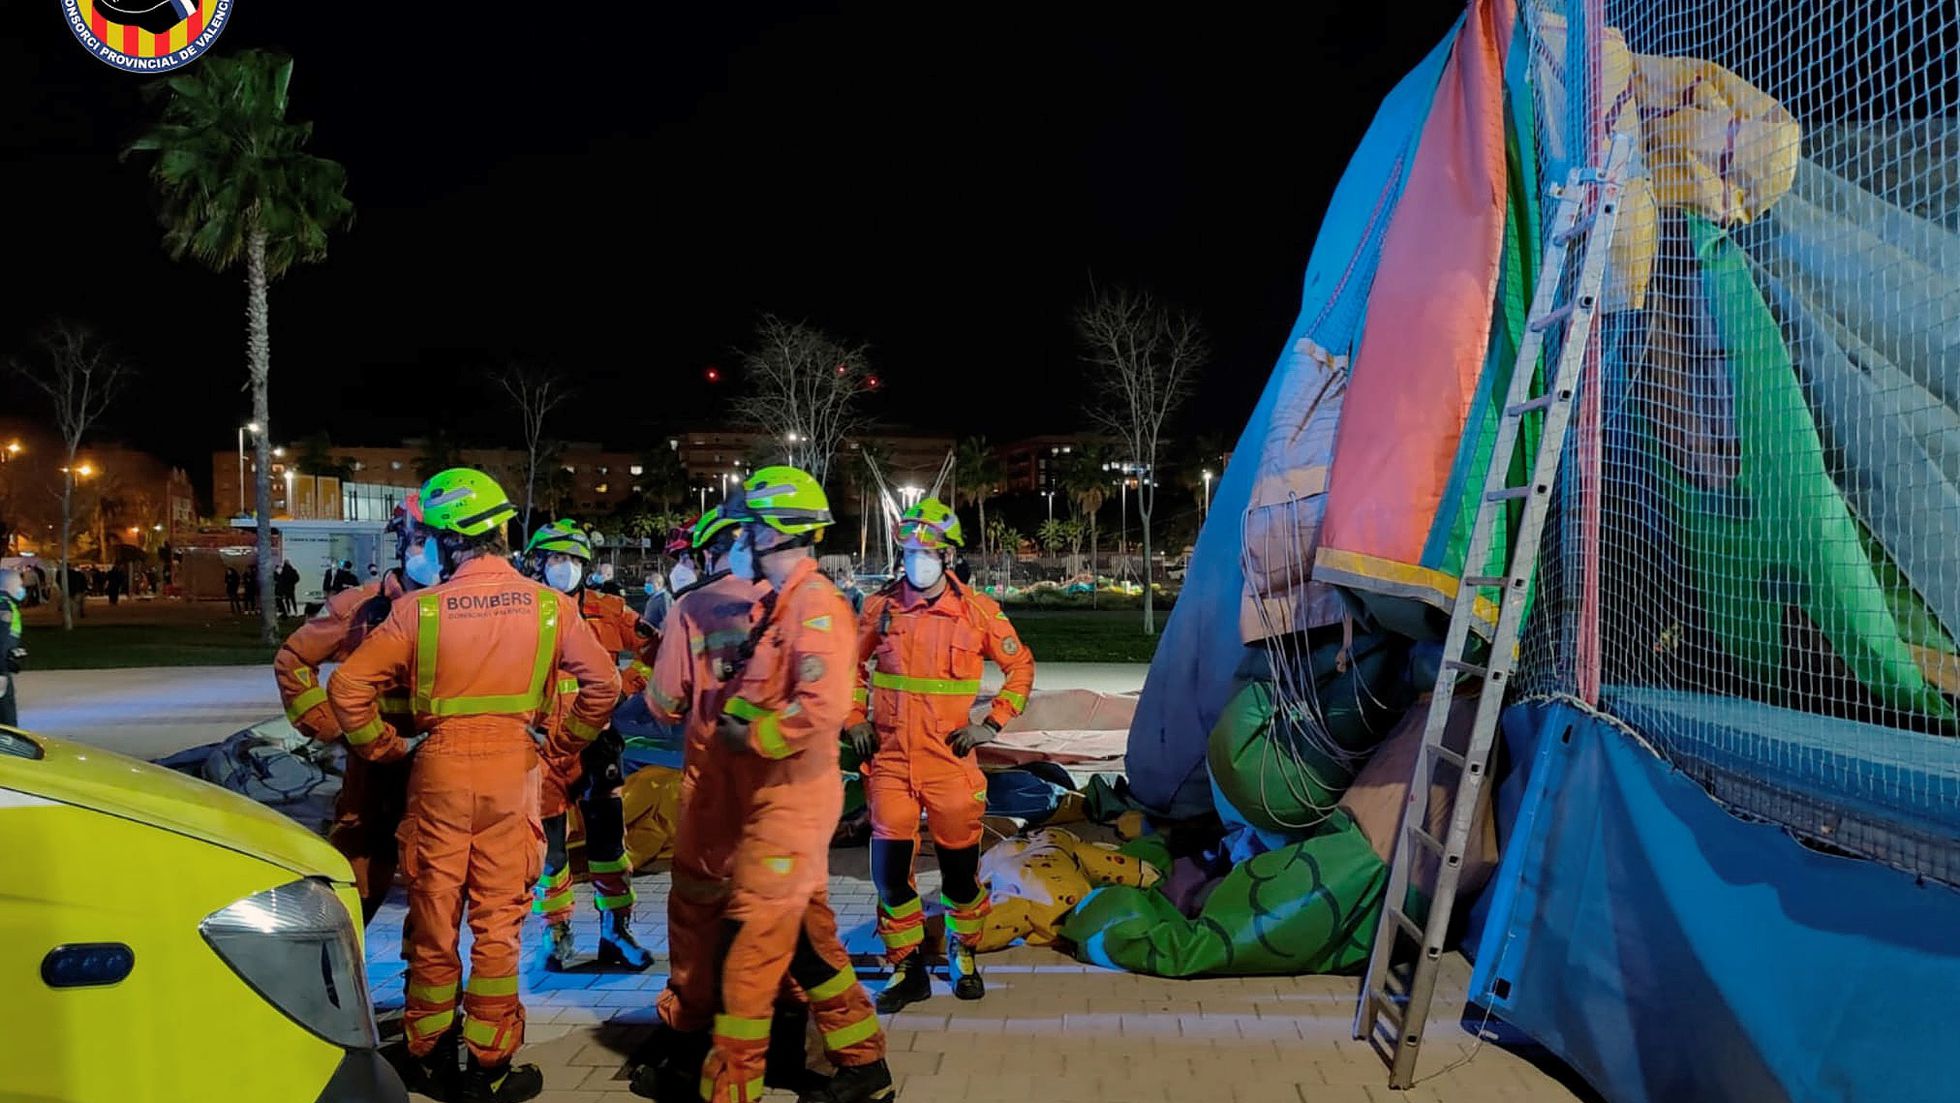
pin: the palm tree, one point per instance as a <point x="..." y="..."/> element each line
<point x="237" y="185"/>
<point x="979" y="468"/>
<point x="1087" y="485"/>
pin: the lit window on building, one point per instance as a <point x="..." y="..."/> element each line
<point x="636" y="469"/>
<point x="600" y="489"/>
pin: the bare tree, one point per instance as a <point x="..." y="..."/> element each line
<point x="536" y="393"/>
<point x="81" y="376"/>
<point x="1143" y="359"/>
<point x="805" y="387"/>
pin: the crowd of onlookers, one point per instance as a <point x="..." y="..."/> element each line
<point x="114" y="583"/>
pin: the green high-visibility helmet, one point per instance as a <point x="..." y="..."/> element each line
<point x="929" y="525"/>
<point x="462" y="500"/>
<point x="787" y="499"/>
<point x="564" y="536"/>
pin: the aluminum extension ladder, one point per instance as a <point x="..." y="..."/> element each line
<point x="1588" y="208"/>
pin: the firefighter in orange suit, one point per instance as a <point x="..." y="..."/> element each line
<point x="927" y="637"/>
<point x="776" y="737"/>
<point x="479" y="653"/>
<point x="369" y="806"/>
<point x="560" y="555"/>
<point x="700" y="641"/>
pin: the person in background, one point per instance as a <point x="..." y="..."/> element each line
<point x="912" y="728"/>
<point x="12" y="592"/>
<point x="232" y="583"/>
<point x="374" y="572"/>
<point x="251" y="588"/>
<point x="344" y="578"/>
<point x="286" y="585"/>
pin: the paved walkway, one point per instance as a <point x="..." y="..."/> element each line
<point x="1050" y="1029"/>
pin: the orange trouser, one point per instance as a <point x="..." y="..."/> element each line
<point x="953" y="796"/>
<point x="794" y="939"/>
<point x="471" y="837"/>
<point x="366" y="815"/>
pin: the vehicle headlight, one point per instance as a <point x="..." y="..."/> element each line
<point x="296" y="946"/>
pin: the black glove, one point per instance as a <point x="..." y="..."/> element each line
<point x="863" y="739"/>
<point x="599" y="770"/>
<point x="969" y="737"/>
<point x="733" y="732"/>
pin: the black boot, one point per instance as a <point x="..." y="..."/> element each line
<point x="667" y="1067"/>
<point x="788" y="1064"/>
<point x="909" y="985"/>
<point x="562" y="951"/>
<point x="964" y="971"/>
<point x="436" y="1072"/>
<point x="870" y="1083"/>
<point x="505" y="1083"/>
<point x="617" y="946"/>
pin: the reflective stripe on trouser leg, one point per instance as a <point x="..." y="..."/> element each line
<point x="838" y="1003"/>
<point x="605" y="852"/>
<point x="901" y="914"/>
<point x="966" y="921"/>
<point x="555" y="898"/>
<point x="429" y="1009"/>
<point x="752" y="972"/>
<point x="902" y="928"/>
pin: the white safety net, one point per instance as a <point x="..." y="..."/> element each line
<point x="1754" y="560"/>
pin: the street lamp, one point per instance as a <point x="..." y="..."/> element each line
<point x="1050" y="495"/>
<point x="1207" y="474"/>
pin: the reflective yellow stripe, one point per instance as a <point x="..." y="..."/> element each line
<point x="861" y="695"/>
<point x="846" y="1036"/>
<point x="909" y="908"/>
<point x="432" y="993"/>
<point x="1018" y="700"/>
<point x="428" y="633"/>
<point x="740" y="1029"/>
<point x="714" y="641"/>
<point x="579" y="729"/>
<point x="483" y="1034"/>
<point x="567" y="686"/>
<point x="556" y="902"/>
<point x="743" y="710"/>
<point x="640" y="668"/>
<point x="835" y="986"/>
<point x="769" y="737"/>
<point x="950" y="687"/>
<point x="910" y="936"/>
<point x="960" y="925"/>
<point x="364" y="734"/>
<point x="306" y="702"/>
<point x="432" y="1024"/>
<point x="492" y="986"/>
<point x="613" y="903"/>
<point x="753" y="1093"/>
<point x="554" y="880"/>
<point x="394" y="704"/>
<point x="619" y="866"/>
<point x="663" y="702"/>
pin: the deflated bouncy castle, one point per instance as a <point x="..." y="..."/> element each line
<point x="1721" y="855"/>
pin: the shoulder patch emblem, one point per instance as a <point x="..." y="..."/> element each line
<point x="1010" y="646"/>
<point x="819" y="624"/>
<point x="811" y="669"/>
<point x="779" y="866"/>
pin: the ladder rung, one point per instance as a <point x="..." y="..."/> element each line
<point x="1485" y="581"/>
<point x="1387" y="1008"/>
<point x="1468" y="668"/>
<point x="1429" y="842"/>
<point x="1403" y="921"/>
<point x="1449" y="756"/>
<point x="1552" y="317"/>
<point x="1508" y="494"/>
<point x="1542" y="402"/>
<point x="1579" y="226"/>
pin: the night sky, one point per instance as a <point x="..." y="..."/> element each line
<point x="618" y="190"/>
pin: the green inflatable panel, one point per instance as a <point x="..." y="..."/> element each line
<point x="1306" y="908"/>
<point x="1272" y="772"/>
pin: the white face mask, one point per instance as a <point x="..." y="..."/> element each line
<point x="923" y="569"/>
<point x="425" y="569"/>
<point x="681" y="577"/>
<point x="741" y="559"/>
<point x="19" y="592"/>
<point x="561" y="576"/>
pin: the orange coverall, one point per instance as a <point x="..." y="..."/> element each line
<point x="617" y="628"/>
<point x="929" y="656"/>
<point x="698" y="646"/>
<point x="478" y="653"/>
<point x="794" y="691"/>
<point x="372" y="795"/>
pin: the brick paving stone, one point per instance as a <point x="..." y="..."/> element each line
<point x="1050" y="1028"/>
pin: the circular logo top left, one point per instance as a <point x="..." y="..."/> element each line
<point x="146" y="36"/>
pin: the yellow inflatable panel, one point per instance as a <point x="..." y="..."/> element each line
<point x="1037" y="879"/>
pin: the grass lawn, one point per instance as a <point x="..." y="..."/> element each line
<point x="204" y="634"/>
<point x="1086" y="635"/>
<point x="200" y="635"/>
